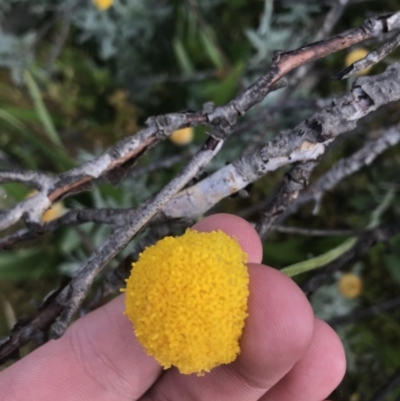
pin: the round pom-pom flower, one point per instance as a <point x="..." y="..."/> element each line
<point x="103" y="4"/>
<point x="187" y="300"/>
<point x="350" y="285"/>
<point x="182" y="136"/>
<point x="356" y="55"/>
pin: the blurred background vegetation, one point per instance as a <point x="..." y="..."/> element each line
<point x="77" y="76"/>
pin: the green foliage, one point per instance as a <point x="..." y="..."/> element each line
<point x="392" y="259"/>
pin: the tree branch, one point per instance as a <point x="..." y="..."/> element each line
<point x="293" y="183"/>
<point x="313" y="232"/>
<point x="371" y="59"/>
<point x="75" y="217"/>
<point x="34" y="179"/>
<point x="347" y="166"/>
<point x="306" y="142"/>
<point x="116" y="161"/>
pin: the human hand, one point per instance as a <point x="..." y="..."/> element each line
<point x="286" y="353"/>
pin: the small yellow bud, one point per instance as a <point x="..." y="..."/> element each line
<point x="182" y="136"/>
<point x="356" y="55"/>
<point x="187" y="300"/>
<point x="56" y="211"/>
<point x="103" y="4"/>
<point x="350" y="285"/>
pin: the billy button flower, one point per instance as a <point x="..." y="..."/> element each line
<point x="355" y="55"/>
<point x="350" y="285"/>
<point x="182" y="136"/>
<point x="187" y="299"/>
<point x="103" y="4"/>
<point x="56" y="210"/>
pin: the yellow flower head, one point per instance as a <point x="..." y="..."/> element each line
<point x="356" y="55"/>
<point x="350" y="285"/>
<point x="103" y="4"/>
<point x="182" y="136"/>
<point x="56" y="211"/>
<point x="187" y="300"/>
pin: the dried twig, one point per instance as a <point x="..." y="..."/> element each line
<point x="347" y="166"/>
<point x="75" y="217"/>
<point x="366" y="313"/>
<point x="342" y="169"/>
<point x="74" y="294"/>
<point x="293" y="183"/>
<point x="34" y="179"/>
<point x="370" y="59"/>
<point x="328" y="24"/>
<point x="118" y="159"/>
<point x="114" y="278"/>
<point x="363" y="244"/>
<point x="313" y="232"/>
<point x="160" y="164"/>
<point x="266" y="115"/>
<point x="306" y="142"/>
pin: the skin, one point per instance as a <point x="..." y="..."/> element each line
<point x="286" y="353"/>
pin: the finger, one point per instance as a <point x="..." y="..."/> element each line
<point x="317" y="374"/>
<point x="98" y="358"/>
<point x="277" y="334"/>
<point x="99" y="353"/>
<point x="236" y="227"/>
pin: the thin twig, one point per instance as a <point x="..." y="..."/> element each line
<point x="344" y="248"/>
<point x="74" y="294"/>
<point x="366" y="313"/>
<point x="347" y="166"/>
<point x="114" y="278"/>
<point x="34" y="179"/>
<point x="74" y="217"/>
<point x="306" y="142"/>
<point x="160" y="164"/>
<point x="293" y="183"/>
<point x="370" y="59"/>
<point x="329" y="23"/>
<point x="313" y="232"/>
<point x="267" y="114"/>
<point x="363" y="244"/>
<point x="201" y="199"/>
<point x="181" y="78"/>
<point x="120" y="158"/>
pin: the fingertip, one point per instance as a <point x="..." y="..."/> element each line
<point x="234" y="226"/>
<point x="333" y="349"/>
<point x="318" y="373"/>
<point x="278" y="330"/>
<point x="323" y="367"/>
